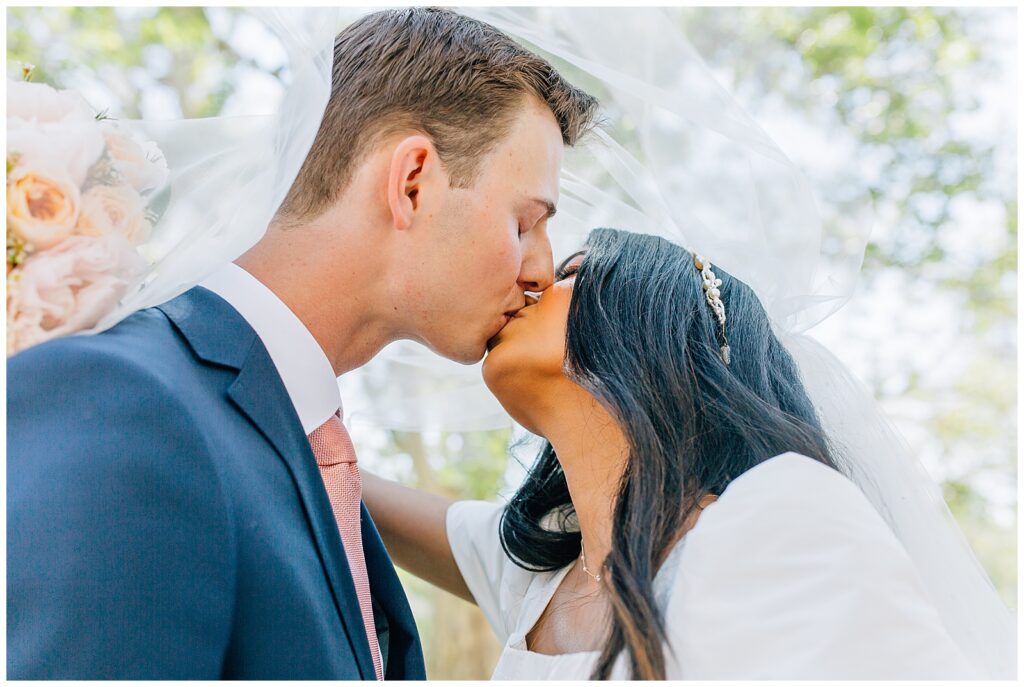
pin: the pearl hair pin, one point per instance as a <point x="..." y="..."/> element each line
<point x="711" y="285"/>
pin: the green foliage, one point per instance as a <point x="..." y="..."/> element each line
<point x="128" y="51"/>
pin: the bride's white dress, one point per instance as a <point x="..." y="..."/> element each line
<point x="790" y="574"/>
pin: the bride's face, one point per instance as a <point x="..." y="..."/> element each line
<point x="526" y="358"/>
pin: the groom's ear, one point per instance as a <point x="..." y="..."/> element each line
<point x="414" y="166"/>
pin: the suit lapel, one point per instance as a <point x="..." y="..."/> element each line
<point x="274" y="416"/>
<point x="218" y="334"/>
<point x="404" y="650"/>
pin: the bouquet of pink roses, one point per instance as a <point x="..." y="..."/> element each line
<point x="79" y="191"/>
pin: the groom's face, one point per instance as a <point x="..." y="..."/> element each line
<point x="491" y="239"/>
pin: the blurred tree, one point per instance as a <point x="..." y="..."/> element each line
<point x="167" y="57"/>
<point x="458" y="643"/>
<point x="913" y="88"/>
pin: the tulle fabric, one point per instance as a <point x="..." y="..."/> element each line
<point x="228" y="175"/>
<point x="677" y="157"/>
<point x="879" y="460"/>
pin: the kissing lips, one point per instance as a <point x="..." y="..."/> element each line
<point x="506" y="318"/>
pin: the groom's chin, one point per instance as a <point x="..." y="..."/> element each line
<point x="472" y="358"/>
<point x="463" y="352"/>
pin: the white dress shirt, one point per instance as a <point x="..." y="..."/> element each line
<point x="307" y="374"/>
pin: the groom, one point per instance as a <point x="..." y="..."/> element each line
<point x="183" y="498"/>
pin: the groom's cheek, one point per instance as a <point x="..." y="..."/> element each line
<point x="499" y="260"/>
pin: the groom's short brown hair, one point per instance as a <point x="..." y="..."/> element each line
<point x="454" y="78"/>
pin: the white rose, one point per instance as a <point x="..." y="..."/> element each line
<point x="70" y="145"/>
<point x="38" y="102"/>
<point x="42" y="206"/>
<point x="68" y="288"/>
<point x="141" y="163"/>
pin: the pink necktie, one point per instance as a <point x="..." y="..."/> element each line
<point x="337" y="460"/>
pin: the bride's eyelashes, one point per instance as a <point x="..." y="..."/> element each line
<point x="566" y="272"/>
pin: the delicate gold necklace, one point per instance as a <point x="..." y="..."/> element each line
<point x="583" y="560"/>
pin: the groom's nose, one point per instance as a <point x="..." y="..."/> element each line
<point x="538" y="269"/>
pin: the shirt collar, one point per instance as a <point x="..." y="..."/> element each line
<point x="304" y="368"/>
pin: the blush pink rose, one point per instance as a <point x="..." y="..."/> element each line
<point x="68" y="288"/>
<point x="113" y="210"/>
<point x="140" y="163"/>
<point x="42" y="206"/>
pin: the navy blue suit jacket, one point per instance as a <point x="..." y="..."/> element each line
<point x="166" y="517"/>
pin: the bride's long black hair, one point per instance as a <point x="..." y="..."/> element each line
<point x="642" y="340"/>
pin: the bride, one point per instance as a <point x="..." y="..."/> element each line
<point x="686" y="517"/>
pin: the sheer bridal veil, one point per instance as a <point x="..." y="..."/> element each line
<point x="677" y="157"/>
